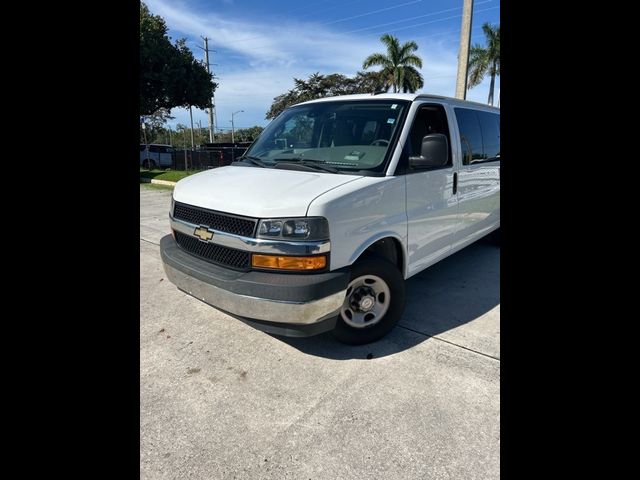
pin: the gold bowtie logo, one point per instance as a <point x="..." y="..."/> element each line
<point x="203" y="234"/>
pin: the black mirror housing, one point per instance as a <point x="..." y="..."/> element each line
<point x="434" y="152"/>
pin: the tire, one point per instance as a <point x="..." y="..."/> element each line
<point x="372" y="279"/>
<point x="149" y="164"/>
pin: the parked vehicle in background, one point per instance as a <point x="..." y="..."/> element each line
<point x="224" y="153"/>
<point x="156" y="155"/>
<point x="337" y="202"/>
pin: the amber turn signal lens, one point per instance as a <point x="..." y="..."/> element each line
<point x="289" y="263"/>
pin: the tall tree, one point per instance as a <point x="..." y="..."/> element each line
<point x="169" y="74"/>
<point x="485" y="60"/>
<point x="155" y="123"/>
<point x="398" y="64"/>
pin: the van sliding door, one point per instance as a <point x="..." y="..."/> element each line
<point x="479" y="174"/>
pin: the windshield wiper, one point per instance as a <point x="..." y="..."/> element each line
<point x="254" y="160"/>
<point x="307" y="162"/>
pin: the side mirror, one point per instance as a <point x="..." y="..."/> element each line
<point x="434" y="152"/>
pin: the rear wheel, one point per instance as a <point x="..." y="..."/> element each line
<point x="373" y="304"/>
<point x="149" y="164"/>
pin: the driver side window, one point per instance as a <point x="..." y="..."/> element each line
<point x="429" y="119"/>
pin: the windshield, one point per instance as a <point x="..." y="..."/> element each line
<point x="344" y="136"/>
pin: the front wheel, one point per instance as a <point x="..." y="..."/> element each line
<point x="373" y="304"/>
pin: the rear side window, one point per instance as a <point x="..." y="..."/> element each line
<point x="470" y="135"/>
<point x="154" y="148"/>
<point x="490" y="126"/>
<point x="142" y="147"/>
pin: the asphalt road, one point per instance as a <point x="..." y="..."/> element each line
<point x="220" y="400"/>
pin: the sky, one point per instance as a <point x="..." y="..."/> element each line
<point x="257" y="47"/>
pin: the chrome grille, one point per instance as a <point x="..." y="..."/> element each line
<point x="222" y="222"/>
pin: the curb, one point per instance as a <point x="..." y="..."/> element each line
<point x="157" y="182"/>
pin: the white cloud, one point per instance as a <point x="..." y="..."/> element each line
<point x="258" y="59"/>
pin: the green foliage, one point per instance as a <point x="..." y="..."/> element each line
<point x="398" y="65"/>
<point x="224" y="137"/>
<point x="158" y="118"/>
<point x="485" y="60"/>
<point x="181" y="135"/>
<point x="155" y="126"/>
<point x="319" y="86"/>
<point x="155" y="186"/>
<point x="369" y="82"/>
<point x="248" y="134"/>
<point x="170" y="76"/>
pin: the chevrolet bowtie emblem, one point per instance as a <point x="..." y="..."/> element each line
<point x="203" y="234"/>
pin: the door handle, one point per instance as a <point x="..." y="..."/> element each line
<point x="455" y="182"/>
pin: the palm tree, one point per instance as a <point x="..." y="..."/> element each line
<point x="398" y="64"/>
<point x="485" y="60"/>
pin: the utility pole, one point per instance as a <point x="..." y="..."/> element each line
<point x="199" y="122"/>
<point x="210" y="109"/>
<point x="465" y="44"/>
<point x="233" y="126"/>
<point x="193" y="147"/>
<point x="184" y="142"/>
<point x="146" y="143"/>
<point x="233" y="140"/>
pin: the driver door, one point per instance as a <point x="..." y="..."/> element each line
<point x="432" y="200"/>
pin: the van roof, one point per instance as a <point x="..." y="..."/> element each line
<point x="401" y="96"/>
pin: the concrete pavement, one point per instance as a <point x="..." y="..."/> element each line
<point x="219" y="399"/>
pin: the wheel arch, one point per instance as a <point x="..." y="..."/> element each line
<point x="386" y="245"/>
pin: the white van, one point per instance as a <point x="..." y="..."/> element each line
<point x="156" y="155"/>
<point x="335" y="204"/>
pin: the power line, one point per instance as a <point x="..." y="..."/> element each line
<point x="450" y="32"/>
<point x="240" y="40"/>
<point x="371" y="13"/>
<point x="395" y="29"/>
<point x="414" y="17"/>
<point x="235" y="41"/>
<point x="432" y="21"/>
<point x="408" y="26"/>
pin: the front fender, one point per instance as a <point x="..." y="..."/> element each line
<point x="360" y="213"/>
<point x="379" y="236"/>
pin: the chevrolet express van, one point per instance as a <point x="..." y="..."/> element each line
<point x="337" y="202"/>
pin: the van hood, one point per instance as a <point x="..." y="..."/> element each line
<point x="257" y="192"/>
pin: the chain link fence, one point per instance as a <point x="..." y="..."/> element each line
<point x="202" y="159"/>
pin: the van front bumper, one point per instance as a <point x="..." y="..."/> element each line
<point x="280" y="303"/>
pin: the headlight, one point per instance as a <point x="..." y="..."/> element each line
<point x="305" y="228"/>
